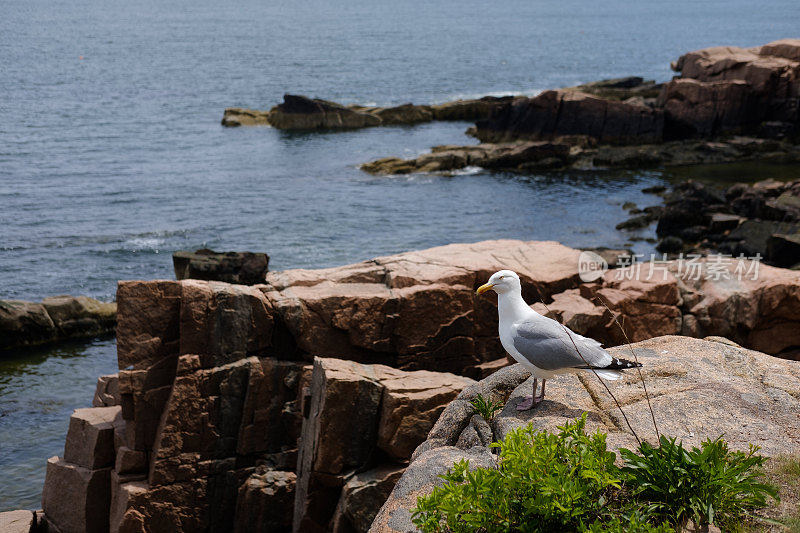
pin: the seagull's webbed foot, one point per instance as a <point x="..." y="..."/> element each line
<point x="526" y="403"/>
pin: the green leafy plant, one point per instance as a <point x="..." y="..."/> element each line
<point x="485" y="407"/>
<point x="710" y="484"/>
<point x="568" y="481"/>
<point x="543" y="482"/>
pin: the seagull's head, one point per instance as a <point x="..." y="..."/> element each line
<point x="502" y="282"/>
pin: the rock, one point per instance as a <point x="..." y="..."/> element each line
<point x="687" y="207"/>
<point x="721" y="222"/>
<point x="699" y="389"/>
<point x="238" y="116"/>
<point x="670" y="245"/>
<point x="90" y="438"/>
<point x="418" y="480"/>
<point x="784" y="250"/>
<point x="751" y="238"/>
<point x="107" y="393"/>
<point x="392" y="310"/>
<point x="477" y="433"/>
<point x="24" y="324"/>
<point x="470" y="110"/>
<point x="622" y="88"/>
<point x="246" y="268"/>
<point x="634" y="223"/>
<point x="362" y="497"/>
<point x="487" y="369"/>
<point x="148" y="322"/>
<point x="411" y="403"/>
<point x="368" y="407"/>
<point x="564" y="113"/>
<point x="302" y="113"/>
<point x="402" y="114"/>
<point x="223" y="323"/>
<point x="18" y="522"/>
<point x="265" y="502"/>
<point x="695" y="108"/>
<point x="76" y="499"/>
<point x="130" y="461"/>
<point x="56" y="318"/>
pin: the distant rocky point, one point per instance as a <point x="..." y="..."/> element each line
<point x="303" y="113"/>
<point x="728" y="104"/>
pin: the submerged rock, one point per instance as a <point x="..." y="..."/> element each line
<point x="238" y="116"/>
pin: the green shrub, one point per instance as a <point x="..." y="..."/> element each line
<point x="485" y="408"/>
<point x="544" y="482"/>
<point x="569" y="481"/>
<point x="710" y="484"/>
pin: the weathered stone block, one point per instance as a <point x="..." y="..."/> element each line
<point x="130" y="461"/>
<point x="362" y="497"/>
<point x="76" y="499"/>
<point x="148" y="315"/>
<point x="265" y="502"/>
<point x="90" y="438"/>
<point x="17" y="522"/>
<point x="107" y="393"/>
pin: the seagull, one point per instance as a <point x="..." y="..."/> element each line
<point x="542" y="345"/>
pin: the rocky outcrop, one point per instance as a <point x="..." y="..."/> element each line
<point x="565" y="113"/>
<point x="762" y="219"/>
<point x="522" y="156"/>
<point x="529" y="155"/>
<point x="55" y="319"/>
<point x="239" y="116"/>
<point x="232" y="402"/>
<point x="630" y="122"/>
<point x="755" y="305"/>
<point x="698" y="389"/>
<point x="303" y="113"/>
<point x="244" y="268"/>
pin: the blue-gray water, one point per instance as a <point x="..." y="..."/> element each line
<point x="112" y="156"/>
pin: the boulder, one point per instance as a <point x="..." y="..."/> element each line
<point x="18" y="522"/>
<point x="699" y="389"/>
<point x="369" y="407"/>
<point x="56" y="318"/>
<point x="24" y="324"/>
<point x="302" y="113"/>
<point x="130" y="461"/>
<point x="569" y="113"/>
<point x="239" y="116"/>
<point x="90" y="437"/>
<point x="76" y="499"/>
<point x="622" y="88"/>
<point x="265" y="502"/>
<point x="362" y="497"/>
<point x="245" y="268"/>
<point x="420" y="477"/>
<point x="107" y="392"/>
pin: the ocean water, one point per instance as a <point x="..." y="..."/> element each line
<point x="112" y="155"/>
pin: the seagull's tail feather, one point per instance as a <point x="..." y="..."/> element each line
<point x="608" y="374"/>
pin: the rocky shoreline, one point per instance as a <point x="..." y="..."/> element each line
<point x="759" y="220"/>
<point x="232" y="402"/>
<point x="728" y="104"/>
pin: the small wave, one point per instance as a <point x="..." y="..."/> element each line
<point x="498" y="94"/>
<point x="467" y="171"/>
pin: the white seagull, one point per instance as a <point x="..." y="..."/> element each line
<point x="541" y="344"/>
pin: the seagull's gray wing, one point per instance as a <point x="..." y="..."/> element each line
<point x="546" y="344"/>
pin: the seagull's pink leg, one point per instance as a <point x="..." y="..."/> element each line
<point x="538" y="399"/>
<point x="528" y="401"/>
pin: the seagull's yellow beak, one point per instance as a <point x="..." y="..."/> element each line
<point x="484" y="288"/>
